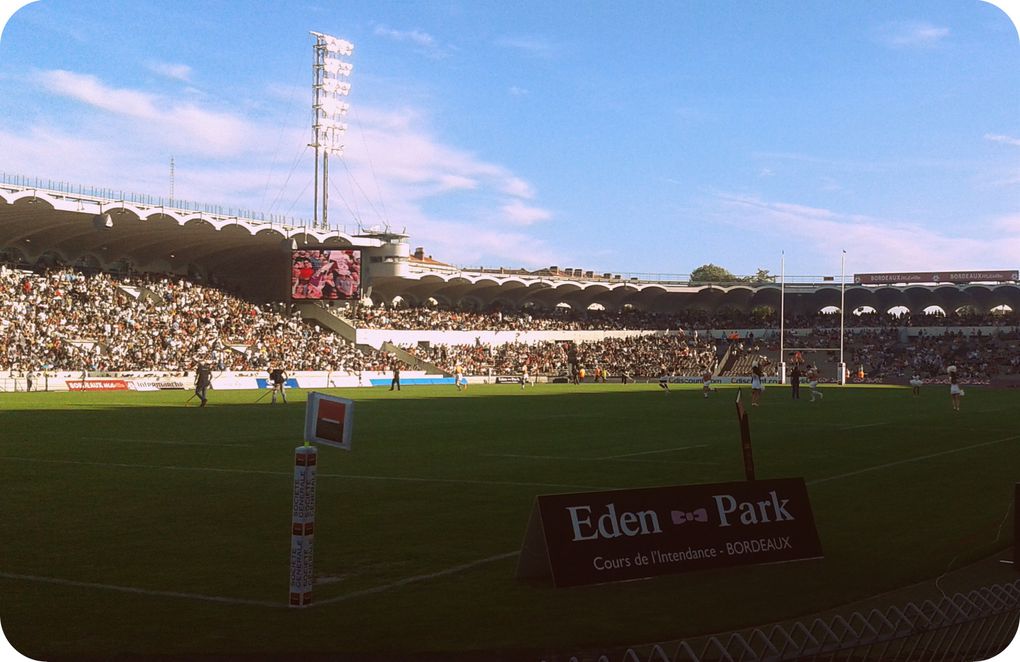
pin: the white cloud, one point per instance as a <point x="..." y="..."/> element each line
<point x="181" y="72"/>
<point x="465" y="208"/>
<point x="424" y="42"/>
<point x="516" y="91"/>
<point x="1006" y="140"/>
<point x="912" y="34"/>
<point x="51" y="153"/>
<point x="416" y="37"/>
<point x="517" y="187"/>
<point x="179" y="124"/>
<point x="519" y="213"/>
<point x="875" y="244"/>
<point x="532" y="46"/>
<point x="1008" y="224"/>
<point x="465" y="244"/>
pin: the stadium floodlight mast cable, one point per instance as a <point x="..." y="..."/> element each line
<point x="328" y="111"/>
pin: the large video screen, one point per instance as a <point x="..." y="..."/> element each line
<point x="326" y="274"/>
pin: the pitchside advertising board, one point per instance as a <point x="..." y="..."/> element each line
<point x="600" y="537"/>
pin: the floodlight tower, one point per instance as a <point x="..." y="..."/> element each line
<point x="329" y="86"/>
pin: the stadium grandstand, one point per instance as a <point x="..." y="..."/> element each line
<point x="98" y="284"/>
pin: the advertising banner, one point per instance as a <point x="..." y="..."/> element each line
<point x="159" y="384"/>
<point x="999" y="276"/>
<point x="620" y="535"/>
<point x="302" y="534"/>
<point x="96" y="384"/>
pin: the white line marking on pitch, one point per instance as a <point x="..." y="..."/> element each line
<point x="865" y="425"/>
<point x="460" y="481"/>
<point x="664" y="450"/>
<point x="912" y="459"/>
<point x="144" y="591"/>
<point x="259" y="603"/>
<point x="159" y="441"/>
<point x="539" y="457"/>
<point x="410" y="580"/>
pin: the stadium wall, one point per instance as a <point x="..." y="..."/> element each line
<point x="223" y="381"/>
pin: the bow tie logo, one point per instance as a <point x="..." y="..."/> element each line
<point x="681" y="517"/>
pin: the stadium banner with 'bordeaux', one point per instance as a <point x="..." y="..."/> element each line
<point x="620" y="535"/>
<point x="998" y="276"/>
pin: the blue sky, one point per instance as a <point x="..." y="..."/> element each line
<point x="648" y="137"/>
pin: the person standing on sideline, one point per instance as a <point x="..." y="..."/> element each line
<point x="795" y="381"/>
<point x="458" y="377"/>
<point x="396" y="375"/>
<point x="955" y="392"/>
<point x="203" y="380"/>
<point x="812" y="376"/>
<point x="756" y="384"/>
<point x="278" y="377"/>
<point x="706" y="381"/>
<point x="915" y="384"/>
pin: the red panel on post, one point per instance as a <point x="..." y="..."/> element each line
<point x="329" y="423"/>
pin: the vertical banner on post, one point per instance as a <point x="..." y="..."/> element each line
<point x="302" y="533"/>
<point x="745" y="438"/>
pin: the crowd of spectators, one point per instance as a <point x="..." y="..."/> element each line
<point x="67" y="320"/>
<point x="649" y="355"/>
<point x="543" y="358"/>
<point x="635" y="356"/>
<point x="560" y="318"/>
<point x="446" y="319"/>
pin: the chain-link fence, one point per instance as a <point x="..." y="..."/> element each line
<point x="965" y="627"/>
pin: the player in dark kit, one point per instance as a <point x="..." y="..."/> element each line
<point x="278" y="377"/>
<point x="203" y="379"/>
<point x="396" y="376"/>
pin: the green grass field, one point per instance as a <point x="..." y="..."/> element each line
<point x="133" y="524"/>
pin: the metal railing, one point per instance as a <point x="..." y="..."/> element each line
<point x="972" y="626"/>
<point x="77" y="192"/>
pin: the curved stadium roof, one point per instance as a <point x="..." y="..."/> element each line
<point x="251" y="257"/>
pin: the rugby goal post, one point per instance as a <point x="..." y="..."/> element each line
<point x="841" y="365"/>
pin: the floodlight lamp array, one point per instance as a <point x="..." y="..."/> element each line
<point x="337" y="67"/>
<point x="335" y="86"/>
<point x="328" y="109"/>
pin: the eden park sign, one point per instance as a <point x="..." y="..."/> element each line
<point x="598" y="537"/>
